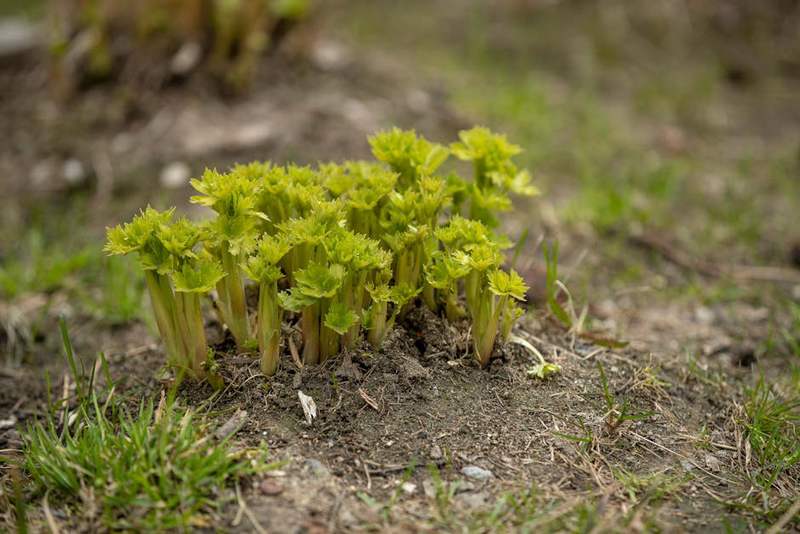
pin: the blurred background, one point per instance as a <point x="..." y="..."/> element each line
<point x="664" y="134"/>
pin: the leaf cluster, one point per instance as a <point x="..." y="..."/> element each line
<point x="343" y="249"/>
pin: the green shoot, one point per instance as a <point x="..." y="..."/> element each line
<point x="496" y="311"/>
<point x="343" y="248"/>
<point x="230" y="236"/>
<point x="495" y="174"/>
<point x="263" y="267"/>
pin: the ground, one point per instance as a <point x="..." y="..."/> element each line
<point x="669" y="166"/>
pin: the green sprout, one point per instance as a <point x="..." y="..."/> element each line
<point x="312" y="296"/>
<point x="342" y="249"/>
<point x="409" y="155"/>
<point x="175" y="277"/>
<point x="263" y="267"/>
<point x="195" y="278"/>
<point x="230" y="236"/>
<point x="495" y="174"/>
<point x="497" y="310"/>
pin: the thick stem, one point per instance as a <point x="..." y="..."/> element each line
<point x="429" y="296"/>
<point x="309" y="323"/>
<point x="238" y="322"/>
<point x="453" y="309"/>
<point x="164" y="311"/>
<point x="196" y="336"/>
<point x="269" y="327"/>
<point x="471" y="290"/>
<point x="486" y="330"/>
<point x="329" y="339"/>
<point x="377" y="333"/>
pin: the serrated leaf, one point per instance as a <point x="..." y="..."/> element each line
<point x="197" y="276"/>
<point x="510" y="284"/>
<point x="340" y="318"/>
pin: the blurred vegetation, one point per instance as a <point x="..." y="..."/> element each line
<point x="153" y="42"/>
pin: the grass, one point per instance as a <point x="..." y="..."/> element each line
<point x="773" y="432"/>
<point x="45" y="262"/>
<point x="37" y="265"/>
<point x="154" y="468"/>
<point x="150" y="470"/>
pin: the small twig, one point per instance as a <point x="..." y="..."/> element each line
<point x="369" y="400"/>
<point x="51" y="521"/>
<point x="366" y="472"/>
<point x="232" y="425"/>
<point x="244" y="509"/>
<point x="787" y="516"/>
<point x="707" y="472"/>
<point x="751" y="273"/>
<point x="295" y="355"/>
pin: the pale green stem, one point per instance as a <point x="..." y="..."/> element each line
<point x="164" y="311"/>
<point x="309" y="323"/>
<point x="238" y="322"/>
<point x="377" y="333"/>
<point x="269" y="327"/>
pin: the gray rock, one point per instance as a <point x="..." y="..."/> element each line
<point x="74" y="172"/>
<point x="473" y="500"/>
<point x="175" y="175"/>
<point x="186" y="58"/>
<point x="476" y="473"/>
<point x="317" y="468"/>
<point x="17" y="37"/>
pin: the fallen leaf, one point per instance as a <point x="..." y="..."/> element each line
<point x="309" y="406"/>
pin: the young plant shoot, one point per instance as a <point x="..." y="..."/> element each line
<point x="342" y="249"/>
<point x="230" y="236"/>
<point x="263" y="267"/>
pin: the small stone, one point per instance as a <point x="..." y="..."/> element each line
<point x="186" y="58"/>
<point x="712" y="462"/>
<point x="419" y="101"/>
<point x="329" y="56"/>
<point x="704" y="315"/>
<point x="17" y="37"/>
<point x="175" y="175"/>
<point x="409" y="488"/>
<point x="436" y="452"/>
<point x="473" y="500"/>
<point x="8" y="423"/>
<point x="270" y="487"/>
<point x="73" y="172"/>
<point x="317" y="468"/>
<point x="428" y="488"/>
<point x="477" y="473"/>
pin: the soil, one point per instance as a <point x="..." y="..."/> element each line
<point x="386" y="418"/>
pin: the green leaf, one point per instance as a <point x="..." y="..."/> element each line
<point x="408" y="154"/>
<point x="294" y="300"/>
<point x="380" y="292"/>
<point x="318" y="281"/>
<point x="480" y="257"/>
<point x="444" y="270"/>
<point x="262" y="265"/>
<point x="509" y="284"/>
<point x="543" y="370"/>
<point x="181" y="237"/>
<point x="479" y="144"/>
<point x="135" y="235"/>
<point x="198" y="276"/>
<point x="340" y="318"/>
<point x="404" y="293"/>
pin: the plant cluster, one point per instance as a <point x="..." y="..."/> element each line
<point x="345" y="248"/>
<point x="99" y="39"/>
